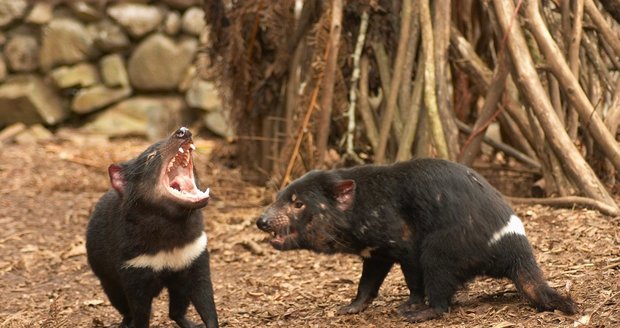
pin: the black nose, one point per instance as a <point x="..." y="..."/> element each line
<point x="262" y="223"/>
<point x="183" y="133"/>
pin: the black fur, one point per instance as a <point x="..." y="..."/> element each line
<point x="138" y="218"/>
<point x="434" y="217"/>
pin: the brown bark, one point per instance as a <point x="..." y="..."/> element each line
<point x="571" y="86"/>
<point x="390" y="108"/>
<point x="441" y="29"/>
<point x="411" y="123"/>
<point x="481" y="75"/>
<point x="532" y="88"/>
<point x="521" y="157"/>
<point x="471" y="147"/>
<point x="329" y="81"/>
<point x="572" y="118"/>
<point x="606" y="31"/>
<point x="383" y="65"/>
<point x="367" y="117"/>
<point x="430" y="97"/>
<point x="404" y="96"/>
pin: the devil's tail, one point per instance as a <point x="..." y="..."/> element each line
<point x="530" y="281"/>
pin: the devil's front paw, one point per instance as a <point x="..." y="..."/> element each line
<point x="415" y="302"/>
<point x="354" y="307"/>
<point x="421" y="314"/>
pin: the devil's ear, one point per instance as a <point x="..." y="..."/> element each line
<point x="344" y="192"/>
<point x="116" y="178"/>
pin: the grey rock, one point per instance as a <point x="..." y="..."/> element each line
<point x="22" y="53"/>
<point x="65" y="41"/>
<point x="154" y="117"/>
<point x="203" y="95"/>
<point x="158" y="63"/>
<point x="113" y="71"/>
<point x="41" y="13"/>
<point x="96" y="97"/>
<point x="218" y="123"/>
<point x="181" y="4"/>
<point x="138" y="19"/>
<point x="27" y="99"/>
<point x="109" y="36"/>
<point x="193" y="21"/>
<point x="172" y="23"/>
<point x="11" y="10"/>
<point x="79" y="75"/>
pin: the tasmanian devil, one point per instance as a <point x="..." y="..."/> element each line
<point x="147" y="233"/>
<point x="441" y="221"/>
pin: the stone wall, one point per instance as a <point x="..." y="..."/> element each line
<point x="115" y="67"/>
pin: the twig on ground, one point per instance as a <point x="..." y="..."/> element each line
<point x="569" y="202"/>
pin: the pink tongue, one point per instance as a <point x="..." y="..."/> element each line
<point x="183" y="183"/>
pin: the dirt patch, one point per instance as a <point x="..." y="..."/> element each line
<point x="49" y="190"/>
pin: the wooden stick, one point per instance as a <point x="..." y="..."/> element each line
<point x="404" y="96"/>
<point x="331" y="65"/>
<point x="571" y="86"/>
<point x="599" y="65"/>
<point x="409" y="131"/>
<point x="367" y="117"/>
<point x="480" y="75"/>
<point x="361" y="37"/>
<point x="390" y="108"/>
<point x="430" y="97"/>
<point x="572" y="116"/>
<point x="606" y="31"/>
<point x="471" y="147"/>
<point x="569" y="201"/>
<point x="574" y="164"/>
<point x="521" y="157"/>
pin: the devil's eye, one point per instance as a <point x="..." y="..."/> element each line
<point x="298" y="204"/>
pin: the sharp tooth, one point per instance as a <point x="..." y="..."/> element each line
<point x="207" y="191"/>
<point x="173" y="159"/>
<point x="181" y="150"/>
<point x="192" y="146"/>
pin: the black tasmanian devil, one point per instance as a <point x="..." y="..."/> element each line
<point x="147" y="233"/>
<point x="441" y="221"/>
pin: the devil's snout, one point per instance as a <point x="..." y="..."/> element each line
<point x="263" y="223"/>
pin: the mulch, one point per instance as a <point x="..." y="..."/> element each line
<point x="49" y="189"/>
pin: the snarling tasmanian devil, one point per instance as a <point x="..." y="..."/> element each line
<point x="147" y="233"/>
<point x="441" y="221"/>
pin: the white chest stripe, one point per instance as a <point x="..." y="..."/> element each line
<point x="513" y="226"/>
<point x="175" y="259"/>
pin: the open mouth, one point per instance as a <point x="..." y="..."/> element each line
<point x="178" y="177"/>
<point x="282" y="239"/>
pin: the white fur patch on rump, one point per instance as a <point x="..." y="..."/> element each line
<point x="176" y="259"/>
<point x="513" y="226"/>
